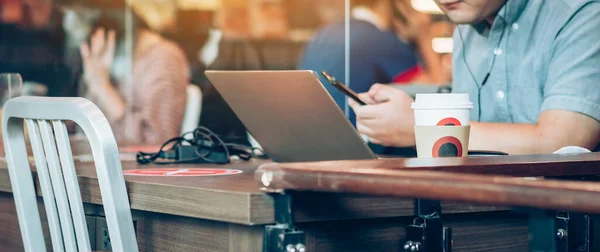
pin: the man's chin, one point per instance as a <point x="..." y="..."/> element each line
<point x="462" y="22"/>
<point x="460" y="18"/>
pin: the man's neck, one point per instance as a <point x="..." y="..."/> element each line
<point x="490" y="19"/>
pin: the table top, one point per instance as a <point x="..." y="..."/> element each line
<point x="515" y="165"/>
<point x="240" y="199"/>
<point x="403" y="178"/>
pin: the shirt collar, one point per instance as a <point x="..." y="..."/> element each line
<point x="508" y="14"/>
<point x="512" y="10"/>
<point x="367" y="15"/>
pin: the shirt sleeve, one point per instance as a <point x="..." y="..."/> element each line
<point x="573" y="80"/>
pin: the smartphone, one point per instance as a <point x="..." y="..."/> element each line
<point x="347" y="91"/>
<point x="486" y="153"/>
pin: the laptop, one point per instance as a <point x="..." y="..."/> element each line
<point x="291" y="115"/>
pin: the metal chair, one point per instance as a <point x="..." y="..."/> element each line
<point x="56" y="171"/>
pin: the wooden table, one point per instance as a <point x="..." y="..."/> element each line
<point x="385" y="178"/>
<point x="546" y="199"/>
<point x="227" y="213"/>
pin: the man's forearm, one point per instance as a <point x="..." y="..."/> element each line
<point x="527" y="138"/>
<point x="509" y="138"/>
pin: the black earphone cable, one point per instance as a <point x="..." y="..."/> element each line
<point x="489" y="71"/>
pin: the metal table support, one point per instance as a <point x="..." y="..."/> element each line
<point x="427" y="232"/>
<point x="559" y="231"/>
<point x="283" y="236"/>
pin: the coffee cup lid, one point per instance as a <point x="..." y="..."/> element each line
<point x="442" y="101"/>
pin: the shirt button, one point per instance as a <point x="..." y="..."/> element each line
<point x="500" y="95"/>
<point x="497" y="51"/>
<point x="515" y="26"/>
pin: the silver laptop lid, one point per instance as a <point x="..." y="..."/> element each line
<point x="291" y="115"/>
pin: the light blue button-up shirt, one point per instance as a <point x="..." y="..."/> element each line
<point x="540" y="55"/>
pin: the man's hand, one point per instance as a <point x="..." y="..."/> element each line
<point x="388" y="119"/>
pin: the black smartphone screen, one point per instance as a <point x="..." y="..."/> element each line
<point x="347" y="91"/>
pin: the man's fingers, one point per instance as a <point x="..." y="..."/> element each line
<point x="362" y="129"/>
<point x="375" y="141"/>
<point x="353" y="104"/>
<point x="365" y="98"/>
<point x="382" y="97"/>
<point x="381" y="93"/>
<point x="369" y="123"/>
<point x="367" y="112"/>
<point x="374" y="90"/>
<point x="358" y="109"/>
<point x="368" y="131"/>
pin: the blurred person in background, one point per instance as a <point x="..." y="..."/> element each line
<point x="444" y="30"/>
<point x="141" y="90"/>
<point x="388" y="42"/>
<point x="419" y="29"/>
<point x="32" y="44"/>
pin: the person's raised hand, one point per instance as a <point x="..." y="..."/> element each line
<point x="387" y="119"/>
<point x="98" y="57"/>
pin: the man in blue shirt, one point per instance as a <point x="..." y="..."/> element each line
<point x="532" y="68"/>
<point x="377" y="55"/>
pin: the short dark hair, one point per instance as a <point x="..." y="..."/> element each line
<point x="113" y="20"/>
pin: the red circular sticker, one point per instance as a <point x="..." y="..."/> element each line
<point x="449" y="121"/>
<point x="181" y="172"/>
<point x="447" y="147"/>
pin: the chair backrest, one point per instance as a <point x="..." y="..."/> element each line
<point x="45" y="118"/>
<point x="193" y="108"/>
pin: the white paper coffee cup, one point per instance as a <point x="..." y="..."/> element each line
<point x="442" y="109"/>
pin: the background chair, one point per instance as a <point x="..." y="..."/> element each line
<point x="56" y="171"/>
<point x="193" y="108"/>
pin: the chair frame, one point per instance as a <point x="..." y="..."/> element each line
<point x="45" y="118"/>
